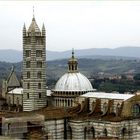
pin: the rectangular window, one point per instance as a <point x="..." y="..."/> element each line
<point x="28" y="53"/>
<point x="38" y="53"/>
<point x="39" y="95"/>
<point x="27" y="95"/>
<point x="39" y="64"/>
<point x="28" y="40"/>
<point x="28" y="85"/>
<point x="39" y="85"/>
<point x="39" y="41"/>
<point x="39" y="75"/>
<point x="28" y="74"/>
<point x="28" y="64"/>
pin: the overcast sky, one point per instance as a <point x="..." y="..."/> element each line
<point x="70" y="24"/>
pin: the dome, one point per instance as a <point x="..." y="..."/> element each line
<point x="73" y="82"/>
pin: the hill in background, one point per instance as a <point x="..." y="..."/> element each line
<point x="94" y="53"/>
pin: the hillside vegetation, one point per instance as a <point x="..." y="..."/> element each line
<point x="89" y="67"/>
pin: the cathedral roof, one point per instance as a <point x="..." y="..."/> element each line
<point x="16" y="91"/>
<point x="33" y="27"/>
<point x="73" y="82"/>
<point x="103" y="95"/>
<point x="12" y="80"/>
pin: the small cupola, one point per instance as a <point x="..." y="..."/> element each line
<point x="72" y="64"/>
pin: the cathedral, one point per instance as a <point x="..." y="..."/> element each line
<point x="72" y="110"/>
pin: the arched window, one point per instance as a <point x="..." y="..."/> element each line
<point x="28" y="85"/>
<point x="105" y="132"/>
<point x="123" y="132"/>
<point x="27" y="95"/>
<point x="75" y="67"/>
<point x="28" y="53"/>
<point x="9" y="125"/>
<point x="85" y="133"/>
<point x="71" y="102"/>
<point x="17" y="101"/>
<point x="72" y="67"/>
<point x="105" y="108"/>
<point x="28" y="74"/>
<point x="92" y="106"/>
<point x="118" y="109"/>
<point x="62" y="102"/>
<point x="136" y="110"/>
<point x="38" y="53"/>
<point x="68" y="103"/>
<point x="39" y="95"/>
<point x="39" y="64"/>
<point x="93" y="132"/>
<point x="39" y="85"/>
<point x="28" y="64"/>
<point x="39" y="75"/>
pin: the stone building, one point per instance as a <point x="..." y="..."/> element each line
<point x="12" y="92"/>
<point x="78" y="112"/>
<point x="71" y="85"/>
<point x="97" y="116"/>
<point x="106" y="115"/>
<point x="15" y="97"/>
<point x="34" y="67"/>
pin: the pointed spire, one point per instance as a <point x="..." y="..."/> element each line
<point x="43" y="30"/>
<point x="24" y="27"/>
<point x="33" y="13"/>
<point x="24" y="30"/>
<point x="33" y="19"/>
<point x="33" y="26"/>
<point x="43" y="27"/>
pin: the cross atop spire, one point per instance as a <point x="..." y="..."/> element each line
<point x="72" y="52"/>
<point x="33" y="12"/>
<point x="33" y="26"/>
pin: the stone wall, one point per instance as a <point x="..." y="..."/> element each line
<point x="89" y="129"/>
<point x="16" y="99"/>
<point x="55" y="128"/>
<point x="14" y="127"/>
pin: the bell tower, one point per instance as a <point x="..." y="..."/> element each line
<point x="34" y="67"/>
